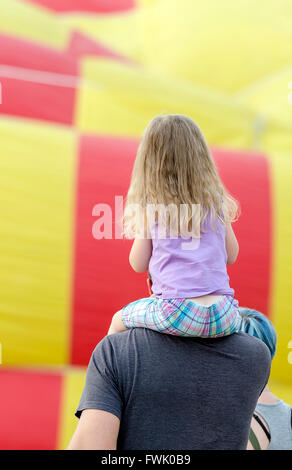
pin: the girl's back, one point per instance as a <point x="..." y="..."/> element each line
<point x="192" y="267"/>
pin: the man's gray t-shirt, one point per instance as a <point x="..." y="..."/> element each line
<point x="176" y="393"/>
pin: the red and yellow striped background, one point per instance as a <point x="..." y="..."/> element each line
<point x="73" y="109"/>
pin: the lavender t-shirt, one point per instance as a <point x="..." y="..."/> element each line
<point x="190" y="267"/>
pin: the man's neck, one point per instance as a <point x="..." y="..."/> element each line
<point x="267" y="397"/>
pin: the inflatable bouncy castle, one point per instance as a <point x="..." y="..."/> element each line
<point x="79" y="81"/>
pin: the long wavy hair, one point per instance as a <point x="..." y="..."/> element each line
<point x="174" y="167"/>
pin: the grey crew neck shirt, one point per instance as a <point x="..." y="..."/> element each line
<point x="176" y="393"/>
<point x="278" y="417"/>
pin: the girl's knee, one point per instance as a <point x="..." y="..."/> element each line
<point x="117" y="324"/>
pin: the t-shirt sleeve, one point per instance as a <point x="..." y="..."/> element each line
<point x="101" y="390"/>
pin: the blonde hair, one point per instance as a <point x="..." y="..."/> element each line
<point x="174" y="166"/>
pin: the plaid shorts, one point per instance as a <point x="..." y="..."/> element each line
<point x="184" y="317"/>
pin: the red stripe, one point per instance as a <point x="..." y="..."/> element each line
<point x="246" y="176"/>
<point x="23" y="96"/>
<point x="29" y="410"/>
<point x="47" y="99"/>
<point x="103" y="279"/>
<point x="98" y="6"/>
<point x="35" y="101"/>
<point x="29" y="55"/>
<point x="81" y="45"/>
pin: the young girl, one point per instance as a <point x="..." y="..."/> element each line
<point x="185" y="251"/>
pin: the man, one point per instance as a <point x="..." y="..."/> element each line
<point x="152" y="391"/>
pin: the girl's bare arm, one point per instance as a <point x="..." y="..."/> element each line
<point x="140" y="254"/>
<point x="231" y="243"/>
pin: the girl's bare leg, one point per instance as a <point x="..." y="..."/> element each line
<point x="117" y="325"/>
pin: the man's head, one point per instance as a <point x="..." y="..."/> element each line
<point x="258" y="325"/>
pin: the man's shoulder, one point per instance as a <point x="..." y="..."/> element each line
<point x="133" y="334"/>
<point x="139" y="338"/>
<point x="251" y="345"/>
<point x="131" y="339"/>
<point x="117" y="340"/>
<point x="115" y="348"/>
<point x="248" y="340"/>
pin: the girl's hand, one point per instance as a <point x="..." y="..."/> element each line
<point x="149" y="285"/>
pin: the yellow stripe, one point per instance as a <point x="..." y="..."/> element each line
<point x="118" y="99"/>
<point x="186" y="39"/>
<point x="37" y="168"/>
<point x="281" y="305"/>
<point x="73" y="383"/>
<point x="116" y="31"/>
<point x="284" y="392"/>
<point x="28" y="21"/>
